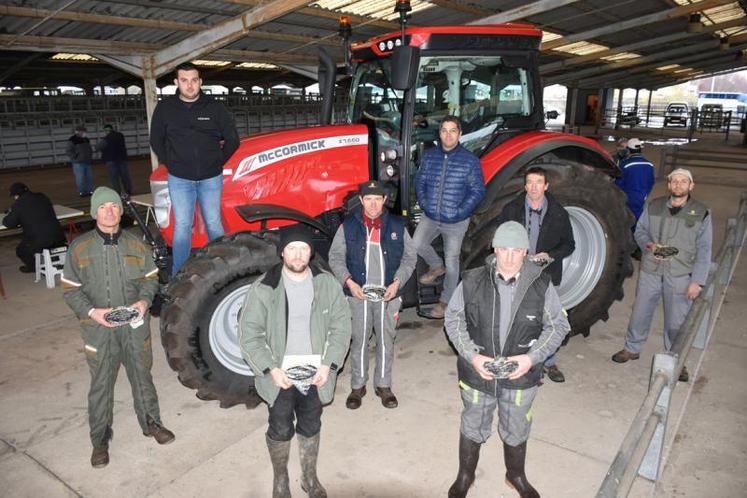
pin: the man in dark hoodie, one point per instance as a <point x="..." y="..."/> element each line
<point x="33" y="212"/>
<point x="114" y="153"/>
<point x="81" y="155"/>
<point x="193" y="135"/>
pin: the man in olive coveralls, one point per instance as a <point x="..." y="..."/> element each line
<point x="104" y="269"/>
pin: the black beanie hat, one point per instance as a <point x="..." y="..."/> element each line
<point x="296" y="233"/>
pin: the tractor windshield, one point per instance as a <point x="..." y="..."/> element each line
<point x="486" y="93"/>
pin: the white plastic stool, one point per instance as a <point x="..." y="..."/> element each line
<point x="49" y="263"/>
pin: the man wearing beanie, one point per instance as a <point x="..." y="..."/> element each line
<point x="34" y="213"/>
<point x="676" y="221"/>
<point x="508" y="308"/>
<point x="373" y="248"/>
<point x="294" y="315"/>
<point x="107" y="268"/>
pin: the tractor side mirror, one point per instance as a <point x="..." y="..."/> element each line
<point x="551" y="114"/>
<point x="405" y="62"/>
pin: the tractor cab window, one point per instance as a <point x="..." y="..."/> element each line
<point x="484" y="92"/>
<point x="376" y="102"/>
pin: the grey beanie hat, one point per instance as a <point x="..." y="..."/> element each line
<point x="101" y="196"/>
<point x="511" y="234"/>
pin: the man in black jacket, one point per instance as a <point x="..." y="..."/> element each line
<point x="510" y="309"/>
<point x="33" y="212"/>
<point x="550" y="233"/>
<point x="193" y="135"/>
<point x="114" y="154"/>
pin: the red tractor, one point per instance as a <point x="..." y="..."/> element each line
<point x="402" y="85"/>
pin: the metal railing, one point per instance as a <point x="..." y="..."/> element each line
<point x="641" y="450"/>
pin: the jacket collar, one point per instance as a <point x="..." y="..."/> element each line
<point x="109" y="239"/>
<point x="275" y="274"/>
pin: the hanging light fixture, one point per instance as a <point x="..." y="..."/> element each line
<point x="693" y="24"/>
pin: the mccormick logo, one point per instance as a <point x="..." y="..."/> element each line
<point x="267" y="157"/>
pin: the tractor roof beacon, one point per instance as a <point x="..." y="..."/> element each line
<point x="401" y="86"/>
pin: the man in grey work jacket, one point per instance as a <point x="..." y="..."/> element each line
<point x="296" y="308"/>
<point x="684" y="223"/>
<point x="449" y="186"/>
<point x="372" y="247"/>
<point x="508" y="308"/>
<point x="104" y="269"/>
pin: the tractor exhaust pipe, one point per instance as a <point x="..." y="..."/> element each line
<point x="326" y="75"/>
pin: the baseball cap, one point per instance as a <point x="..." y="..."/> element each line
<point x="681" y="171"/>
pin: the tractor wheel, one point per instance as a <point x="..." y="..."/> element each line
<point x="593" y="275"/>
<point x="199" y="323"/>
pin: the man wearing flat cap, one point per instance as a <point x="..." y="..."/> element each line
<point x="508" y="308"/>
<point x="675" y="235"/>
<point x="34" y="213"/>
<point x="372" y="249"/>
<point x="108" y="268"/>
<point x="294" y="315"/>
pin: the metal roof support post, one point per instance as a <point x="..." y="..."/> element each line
<point x="600" y="110"/>
<point x="619" y="107"/>
<point x="648" y="106"/>
<point x="574" y="103"/>
<point x="150" y="93"/>
<point x="664" y="363"/>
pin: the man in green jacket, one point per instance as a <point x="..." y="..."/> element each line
<point x="104" y="269"/>
<point x="295" y="314"/>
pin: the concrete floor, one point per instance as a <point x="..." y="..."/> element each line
<point x="371" y="452"/>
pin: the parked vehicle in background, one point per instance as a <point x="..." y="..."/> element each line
<point x="735" y="102"/>
<point x="677" y="112"/>
<point x="712" y="116"/>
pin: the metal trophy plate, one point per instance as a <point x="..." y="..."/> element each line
<point x="124" y="315"/>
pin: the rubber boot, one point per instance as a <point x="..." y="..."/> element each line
<point x="515" y="456"/>
<point x="469" y="454"/>
<point x="308" y="450"/>
<point x="279" y="451"/>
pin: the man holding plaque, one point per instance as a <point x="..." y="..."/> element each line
<point x="504" y="320"/>
<point x="295" y="320"/>
<point x="108" y="272"/>
<point x="373" y="256"/>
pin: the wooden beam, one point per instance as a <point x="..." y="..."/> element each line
<point x="221" y="34"/>
<point x="13" y="69"/>
<point x="609" y="28"/>
<point x="524" y="11"/>
<point x="459" y="6"/>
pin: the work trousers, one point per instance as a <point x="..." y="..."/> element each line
<point x="291" y="405"/>
<point x="380" y="318"/>
<point x="106" y="349"/>
<point x="83" y="178"/>
<point x="26" y="250"/>
<point x="119" y="176"/>
<point x="651" y="289"/>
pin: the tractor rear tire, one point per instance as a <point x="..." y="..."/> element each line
<point x="202" y="346"/>
<point x="601" y="223"/>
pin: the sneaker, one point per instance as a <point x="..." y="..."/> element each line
<point x="555" y="374"/>
<point x="355" y="398"/>
<point x="431" y="275"/>
<point x="160" y="433"/>
<point x="622" y="356"/>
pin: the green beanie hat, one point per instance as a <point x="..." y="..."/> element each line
<point x="510" y="234"/>
<point x="101" y="196"/>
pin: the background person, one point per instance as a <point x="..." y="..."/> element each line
<point x="679" y="221"/>
<point x="81" y="155"/>
<point x="193" y="135"/>
<point x="637" y="177"/>
<point x="449" y="186"/>
<point x="104" y="269"/>
<point x="372" y="247"/>
<point x="114" y="154"/>
<point x="481" y="328"/>
<point x="296" y="308"/>
<point x="34" y="213"/>
<point x="550" y="234"/>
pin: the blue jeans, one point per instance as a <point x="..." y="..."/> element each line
<point x="184" y="193"/>
<point x="83" y="177"/>
<point x="452" y="235"/>
<point x="119" y="175"/>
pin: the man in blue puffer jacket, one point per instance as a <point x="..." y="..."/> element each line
<point x="449" y="185"/>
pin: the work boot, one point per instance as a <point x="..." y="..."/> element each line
<point x="308" y="450"/>
<point x="438" y="311"/>
<point x="355" y="398"/>
<point x="160" y="433"/>
<point x="515" y="456"/>
<point x="388" y="399"/>
<point x="684" y="375"/>
<point x="26" y="269"/>
<point x="100" y="457"/>
<point x="622" y="356"/>
<point x="555" y="374"/>
<point x="279" y="452"/>
<point x="469" y="454"/>
<point x="431" y="275"/>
